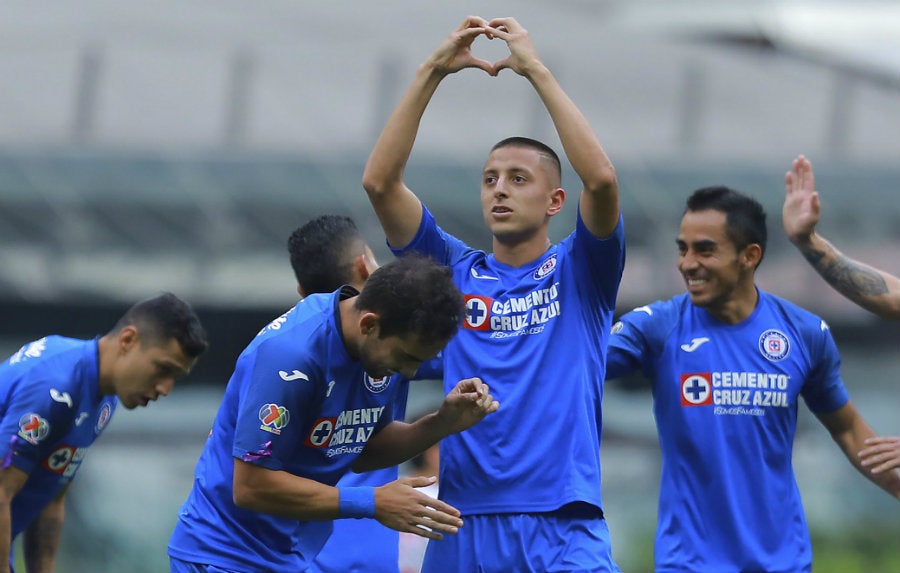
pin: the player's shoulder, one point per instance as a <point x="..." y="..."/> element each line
<point x="661" y="310"/>
<point x="307" y="315"/>
<point x="792" y="313"/>
<point x="49" y="352"/>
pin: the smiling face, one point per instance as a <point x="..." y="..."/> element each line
<point x="146" y="370"/>
<point x="519" y="194"/>
<point x="718" y="276"/>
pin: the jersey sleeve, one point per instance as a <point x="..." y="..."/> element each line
<point x="636" y="339"/>
<point x="39" y="411"/>
<point x="603" y="259"/>
<point x="434" y="242"/>
<point x="274" y="402"/>
<point x="824" y="389"/>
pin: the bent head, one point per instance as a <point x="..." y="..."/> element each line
<point x="520" y="189"/>
<point x="721" y="243"/>
<point x="327" y="252"/>
<point x="409" y="310"/>
<point x="156" y="342"/>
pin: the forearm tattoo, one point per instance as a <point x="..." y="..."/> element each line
<point x="42" y="545"/>
<point x="846" y="275"/>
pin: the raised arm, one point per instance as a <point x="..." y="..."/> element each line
<point x="599" y="200"/>
<point x="398" y="209"/>
<point x="850" y="432"/>
<point x="873" y="289"/>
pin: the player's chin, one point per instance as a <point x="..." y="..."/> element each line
<point x="132" y="403"/>
<point x="699" y="298"/>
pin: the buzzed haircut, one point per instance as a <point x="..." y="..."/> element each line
<point x="414" y="295"/>
<point x="545" y="150"/>
<point x="322" y="253"/>
<point x="745" y="217"/>
<point x="163" y="318"/>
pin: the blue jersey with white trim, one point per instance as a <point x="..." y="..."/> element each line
<point x="51" y="411"/>
<point x="725" y="399"/>
<point x="536" y="335"/>
<point x="297" y="402"/>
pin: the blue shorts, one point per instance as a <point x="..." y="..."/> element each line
<point x="179" y="566"/>
<point x="524" y="542"/>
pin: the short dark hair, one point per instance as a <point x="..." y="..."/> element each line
<point x="413" y="295"/>
<point x="166" y="317"/>
<point x="322" y="252"/>
<point x="542" y="148"/>
<point x="745" y="218"/>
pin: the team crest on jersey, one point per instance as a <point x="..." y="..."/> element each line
<point x="33" y="428"/>
<point x="696" y="389"/>
<point x="547" y="268"/>
<point x="321" y="432"/>
<point x="377" y="385"/>
<point x="774" y="345"/>
<point x="274" y="418"/>
<point x="65" y="460"/>
<point x="478" y="311"/>
<point x="103" y="419"/>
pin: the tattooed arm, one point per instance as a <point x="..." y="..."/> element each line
<point x="41" y="540"/>
<point x="870" y="288"/>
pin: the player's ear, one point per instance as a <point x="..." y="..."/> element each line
<point x="752" y="255"/>
<point x="128" y="338"/>
<point x="361" y="268"/>
<point x="368" y="323"/>
<point x="557" y="200"/>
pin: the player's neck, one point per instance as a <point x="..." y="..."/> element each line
<point x="737" y="308"/>
<point x="350" y="332"/>
<point x="518" y="253"/>
<point x="106" y="354"/>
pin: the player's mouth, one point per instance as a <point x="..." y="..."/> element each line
<point x="694" y="284"/>
<point x="501" y="212"/>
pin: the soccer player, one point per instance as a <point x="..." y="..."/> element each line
<point x="58" y="394"/>
<point x="326" y="253"/>
<point x="873" y="289"/>
<point x="728" y="364"/>
<point x="311" y="397"/>
<point x="527" y="479"/>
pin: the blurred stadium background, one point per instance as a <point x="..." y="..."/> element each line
<point x="174" y="145"/>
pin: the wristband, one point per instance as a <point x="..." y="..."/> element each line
<point x="356" y="502"/>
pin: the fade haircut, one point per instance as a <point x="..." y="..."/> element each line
<point x="322" y="253"/>
<point x="163" y="318"/>
<point x="745" y="218"/>
<point x="413" y="295"/>
<point x="550" y="157"/>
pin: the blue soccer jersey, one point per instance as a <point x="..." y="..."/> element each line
<point x="365" y="545"/>
<point x="297" y="402"/>
<point x="725" y="399"/>
<point x="536" y="335"/>
<point x="52" y="411"/>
